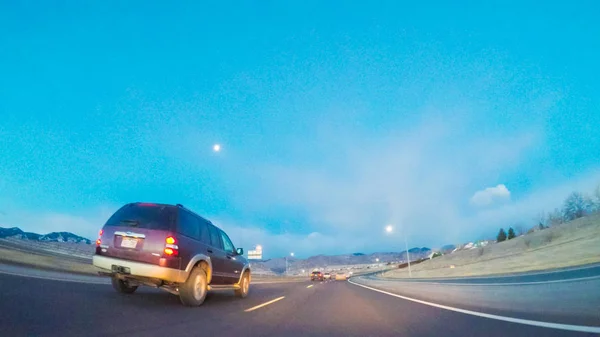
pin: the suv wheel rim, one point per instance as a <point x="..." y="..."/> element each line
<point x="199" y="287"/>
<point x="245" y="285"/>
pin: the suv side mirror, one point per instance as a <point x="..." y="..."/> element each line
<point x="240" y="251"/>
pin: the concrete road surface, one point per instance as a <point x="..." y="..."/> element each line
<point x="42" y="307"/>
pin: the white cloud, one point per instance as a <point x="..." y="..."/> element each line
<point x="415" y="180"/>
<point x="490" y="195"/>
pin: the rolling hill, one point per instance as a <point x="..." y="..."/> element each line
<point x="17" y="233"/>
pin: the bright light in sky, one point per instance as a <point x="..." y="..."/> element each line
<point x="389" y="228"/>
<point x="217" y="147"/>
<point x="292" y="254"/>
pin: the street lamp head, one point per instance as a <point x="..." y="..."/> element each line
<point x="389" y="228"/>
<point x="292" y="254"/>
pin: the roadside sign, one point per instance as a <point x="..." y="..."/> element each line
<point x="255" y="254"/>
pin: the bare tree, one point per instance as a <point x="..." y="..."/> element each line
<point x="575" y="206"/>
<point x="596" y="200"/>
<point x="541" y="219"/>
<point x="555" y="218"/>
<point x="589" y="204"/>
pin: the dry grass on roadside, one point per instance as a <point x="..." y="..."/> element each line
<point x="571" y="244"/>
<point x="45" y="261"/>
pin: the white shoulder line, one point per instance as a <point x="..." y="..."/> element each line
<point x="579" y="328"/>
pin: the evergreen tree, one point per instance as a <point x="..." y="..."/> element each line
<point x="501" y="235"/>
<point x="511" y="233"/>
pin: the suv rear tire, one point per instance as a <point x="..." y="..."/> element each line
<point x="123" y="286"/>
<point x="244" y="286"/>
<point x="193" y="292"/>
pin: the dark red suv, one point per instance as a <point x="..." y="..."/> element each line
<point x="172" y="248"/>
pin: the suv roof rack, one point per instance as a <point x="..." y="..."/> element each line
<point x="189" y="210"/>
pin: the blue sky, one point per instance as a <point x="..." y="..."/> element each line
<point x="335" y="120"/>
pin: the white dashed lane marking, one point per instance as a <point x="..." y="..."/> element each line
<point x="264" y="304"/>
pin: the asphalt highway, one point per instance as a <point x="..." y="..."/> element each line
<point x="43" y="307"/>
<point x="567" y="296"/>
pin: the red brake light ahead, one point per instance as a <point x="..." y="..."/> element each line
<point x="99" y="240"/>
<point x="171" y="249"/>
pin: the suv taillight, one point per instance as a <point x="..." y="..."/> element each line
<point x="99" y="240"/>
<point x="171" y="248"/>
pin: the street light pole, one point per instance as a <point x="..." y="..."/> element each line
<point x="407" y="257"/>
<point x="389" y="229"/>
<point x="286" y="263"/>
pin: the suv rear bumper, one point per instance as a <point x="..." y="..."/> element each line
<point x="140" y="269"/>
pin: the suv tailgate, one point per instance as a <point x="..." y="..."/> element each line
<point x="137" y="232"/>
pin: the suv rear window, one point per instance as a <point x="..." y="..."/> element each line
<point x="143" y="216"/>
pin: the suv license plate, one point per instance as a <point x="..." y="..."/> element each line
<point x="128" y="242"/>
<point x="120" y="269"/>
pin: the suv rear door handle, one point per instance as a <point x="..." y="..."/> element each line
<point x="209" y="250"/>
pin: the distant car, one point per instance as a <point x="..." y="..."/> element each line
<point x="316" y="276"/>
<point x="333" y="276"/>
<point x="341" y="277"/>
<point x="327" y="276"/>
<point x="172" y="248"/>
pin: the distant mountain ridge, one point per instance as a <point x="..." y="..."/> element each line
<point x="17" y="233"/>
<point x="278" y="265"/>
